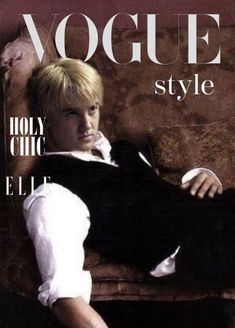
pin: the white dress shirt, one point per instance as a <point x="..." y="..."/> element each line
<point x="58" y="222"/>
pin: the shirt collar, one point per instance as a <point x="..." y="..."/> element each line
<point x="101" y="144"/>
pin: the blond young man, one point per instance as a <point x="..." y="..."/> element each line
<point x="81" y="163"/>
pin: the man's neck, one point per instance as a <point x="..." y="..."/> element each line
<point x="97" y="153"/>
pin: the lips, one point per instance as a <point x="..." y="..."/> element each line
<point x="85" y="137"/>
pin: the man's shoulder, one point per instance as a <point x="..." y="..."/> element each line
<point x="50" y="194"/>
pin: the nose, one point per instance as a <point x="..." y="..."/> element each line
<point x="85" y="123"/>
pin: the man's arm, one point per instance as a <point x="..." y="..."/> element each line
<point x="58" y="223"/>
<point x="199" y="181"/>
<point x="76" y="313"/>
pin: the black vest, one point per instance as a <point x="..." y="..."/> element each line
<point x="135" y="216"/>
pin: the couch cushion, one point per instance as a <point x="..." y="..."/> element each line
<point x="110" y="281"/>
<point x="179" y="148"/>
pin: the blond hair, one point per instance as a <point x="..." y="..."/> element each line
<point x="53" y="86"/>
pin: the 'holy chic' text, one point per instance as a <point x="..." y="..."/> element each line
<point x="27" y="137"/>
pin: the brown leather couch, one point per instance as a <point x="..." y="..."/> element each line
<point x="175" y="136"/>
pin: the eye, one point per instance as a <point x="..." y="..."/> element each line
<point x="93" y="109"/>
<point x="71" y="113"/>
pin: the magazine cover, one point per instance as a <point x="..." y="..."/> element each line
<point x="117" y="164"/>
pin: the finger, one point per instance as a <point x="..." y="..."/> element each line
<point x="207" y="184"/>
<point x="197" y="183"/>
<point x="213" y="190"/>
<point x="220" y="189"/>
<point x="185" y="185"/>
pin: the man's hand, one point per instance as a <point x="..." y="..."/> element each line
<point x="204" y="183"/>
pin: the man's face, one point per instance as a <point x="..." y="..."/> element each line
<point x="73" y="127"/>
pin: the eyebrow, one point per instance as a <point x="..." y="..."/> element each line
<point x="74" y="108"/>
<point x="95" y="104"/>
<point x="69" y="109"/>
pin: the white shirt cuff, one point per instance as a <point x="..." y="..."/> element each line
<point x="65" y="287"/>
<point x="194" y="172"/>
<point x="165" y="267"/>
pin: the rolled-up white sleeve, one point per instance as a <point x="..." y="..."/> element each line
<point x="58" y="222"/>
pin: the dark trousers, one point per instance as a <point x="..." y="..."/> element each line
<point x="208" y="250"/>
<point x="204" y="228"/>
